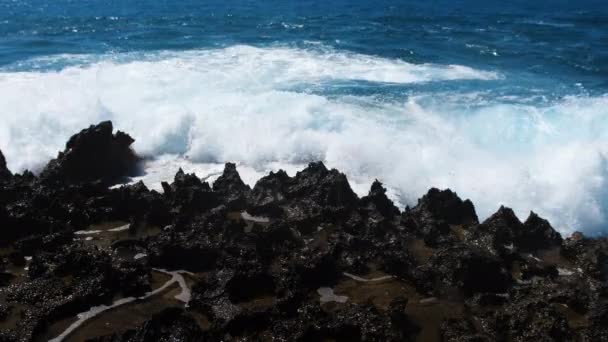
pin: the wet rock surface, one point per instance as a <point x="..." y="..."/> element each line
<point x="293" y="258"/>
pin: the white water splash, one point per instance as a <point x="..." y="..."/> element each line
<point x="260" y="107"/>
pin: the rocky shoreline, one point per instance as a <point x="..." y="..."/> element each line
<point x="299" y="258"/>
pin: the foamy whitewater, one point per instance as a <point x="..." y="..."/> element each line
<point x="280" y="107"/>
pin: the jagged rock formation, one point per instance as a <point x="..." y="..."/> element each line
<point x="313" y="191"/>
<point x="377" y="201"/>
<point x="445" y="206"/>
<point x="94" y="154"/>
<point x="4" y="172"/>
<point x="297" y="258"/>
<point x="233" y="192"/>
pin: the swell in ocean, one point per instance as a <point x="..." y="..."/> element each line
<point x="281" y="107"/>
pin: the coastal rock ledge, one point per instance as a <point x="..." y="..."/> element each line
<point x="295" y="258"/>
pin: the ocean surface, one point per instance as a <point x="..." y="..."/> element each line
<point x="505" y="102"/>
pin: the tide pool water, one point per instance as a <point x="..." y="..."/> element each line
<point x="505" y="103"/>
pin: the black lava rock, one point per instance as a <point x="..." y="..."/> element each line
<point x="447" y="206"/>
<point x="95" y="154"/>
<point x="171" y="324"/>
<point x="377" y="200"/>
<point x="538" y="234"/>
<point x="231" y="188"/>
<point x="297" y="258"/>
<point x="4" y="171"/>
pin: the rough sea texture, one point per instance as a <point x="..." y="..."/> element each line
<point x="504" y="103"/>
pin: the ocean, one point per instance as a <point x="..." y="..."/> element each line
<point x="505" y="103"/>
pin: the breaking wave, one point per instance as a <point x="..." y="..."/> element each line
<point x="262" y="108"/>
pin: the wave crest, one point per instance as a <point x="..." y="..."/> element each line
<point x="238" y="104"/>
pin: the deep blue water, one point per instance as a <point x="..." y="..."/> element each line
<point x="561" y="45"/>
<point x="504" y="101"/>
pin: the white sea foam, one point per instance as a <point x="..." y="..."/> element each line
<point x="253" y="106"/>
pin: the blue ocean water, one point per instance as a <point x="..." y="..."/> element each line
<point x="558" y="46"/>
<point x="504" y="102"/>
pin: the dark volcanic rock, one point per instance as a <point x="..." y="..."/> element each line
<point x="447" y="206"/>
<point x="432" y="273"/>
<point x="257" y="283"/>
<point x="377" y="200"/>
<point x="231" y="188"/>
<point x="469" y="270"/>
<point x="312" y="192"/>
<point x="269" y="193"/>
<point x="133" y="202"/>
<point x="437" y="217"/>
<point x="499" y="231"/>
<point x="354" y="323"/>
<point x="458" y="330"/>
<point x="590" y="255"/>
<point x="325" y="187"/>
<point x="169" y="325"/>
<point x="531" y="320"/>
<point x="33" y="208"/>
<point x="94" y="154"/>
<point x="65" y="283"/>
<point x="189" y="195"/>
<point x="503" y="231"/>
<point x="4" y="172"/>
<point x="538" y="234"/>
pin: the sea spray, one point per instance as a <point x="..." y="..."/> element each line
<point x="270" y="108"/>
